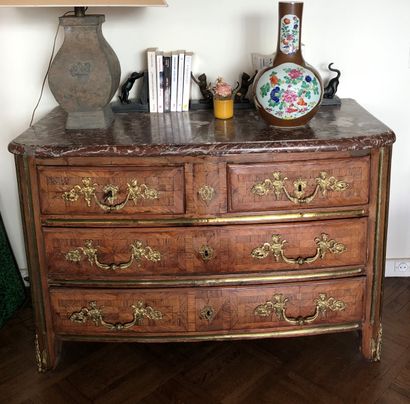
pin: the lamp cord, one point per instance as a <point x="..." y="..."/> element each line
<point x="48" y="70"/>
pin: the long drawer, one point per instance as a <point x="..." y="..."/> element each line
<point x="113" y="190"/>
<point x="128" y="253"/>
<point x="202" y="310"/>
<point x="299" y="184"/>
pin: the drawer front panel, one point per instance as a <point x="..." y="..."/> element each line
<point x="119" y="311"/>
<point x="297" y="305"/>
<point x="188" y="310"/>
<point x="300" y="184"/>
<point x="123" y="190"/>
<point x="153" y="253"/>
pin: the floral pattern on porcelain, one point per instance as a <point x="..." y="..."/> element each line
<point x="288" y="91"/>
<point x="289" y="34"/>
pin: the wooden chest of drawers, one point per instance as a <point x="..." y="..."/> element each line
<point x="176" y="227"/>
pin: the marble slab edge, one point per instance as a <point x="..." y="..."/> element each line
<point x="217" y="149"/>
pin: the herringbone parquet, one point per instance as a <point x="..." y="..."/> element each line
<point x="323" y="369"/>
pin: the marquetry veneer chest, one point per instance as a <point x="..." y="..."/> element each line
<point x="177" y="227"/>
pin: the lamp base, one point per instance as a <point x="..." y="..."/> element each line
<point x="85" y="73"/>
<point x="96" y="119"/>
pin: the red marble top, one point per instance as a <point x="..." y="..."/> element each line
<point x="346" y="127"/>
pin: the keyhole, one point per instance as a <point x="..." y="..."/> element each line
<point x="206" y="253"/>
<point x="108" y="195"/>
<point x="207" y="313"/>
<point x="300" y="188"/>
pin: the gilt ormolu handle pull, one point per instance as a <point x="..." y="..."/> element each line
<point x="135" y="192"/>
<point x="138" y="253"/>
<point x="323" y="245"/>
<point x="95" y="314"/>
<point x="277" y="186"/>
<point x="278" y="306"/>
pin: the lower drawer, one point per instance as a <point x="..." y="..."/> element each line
<point x="193" y="311"/>
<point x="132" y="254"/>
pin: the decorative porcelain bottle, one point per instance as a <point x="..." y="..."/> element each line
<point x="288" y="93"/>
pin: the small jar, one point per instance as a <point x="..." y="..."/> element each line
<point x="223" y="108"/>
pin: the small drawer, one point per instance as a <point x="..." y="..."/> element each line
<point x="120" y="190"/>
<point x="288" y="305"/>
<point x="136" y="254"/>
<point x="300" y="184"/>
<point x="183" y="311"/>
<point x="107" y="311"/>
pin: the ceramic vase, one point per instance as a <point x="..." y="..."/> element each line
<point x="289" y="93"/>
<point x="85" y="73"/>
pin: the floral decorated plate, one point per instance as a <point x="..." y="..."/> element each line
<point x="288" y="91"/>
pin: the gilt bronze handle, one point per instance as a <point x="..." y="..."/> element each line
<point x="135" y="192"/>
<point x="324" y="245"/>
<point x="95" y="314"/>
<point x="138" y="253"/>
<point x="278" y="306"/>
<point x="277" y="186"/>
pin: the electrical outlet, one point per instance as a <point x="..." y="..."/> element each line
<point x="402" y="266"/>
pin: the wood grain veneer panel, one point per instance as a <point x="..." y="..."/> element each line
<point x="242" y="178"/>
<point x="180" y="248"/>
<point x="168" y="181"/>
<point x="211" y="176"/>
<point x="116" y="307"/>
<point x="181" y="308"/>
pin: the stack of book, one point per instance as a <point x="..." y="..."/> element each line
<point x="169" y="80"/>
<point x="260" y="61"/>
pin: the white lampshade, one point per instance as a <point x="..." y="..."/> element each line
<point x="82" y="3"/>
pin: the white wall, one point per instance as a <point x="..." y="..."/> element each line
<point x="369" y="40"/>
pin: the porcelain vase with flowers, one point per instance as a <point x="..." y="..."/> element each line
<point x="288" y="93"/>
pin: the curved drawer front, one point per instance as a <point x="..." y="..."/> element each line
<point x="120" y="190"/>
<point x="263" y="307"/>
<point x="119" y="311"/>
<point x="154" y="253"/>
<point x="300" y="184"/>
<point x="182" y="311"/>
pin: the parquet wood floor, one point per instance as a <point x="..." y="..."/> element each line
<point x="322" y="369"/>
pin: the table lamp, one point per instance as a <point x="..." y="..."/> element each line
<point x="85" y="72"/>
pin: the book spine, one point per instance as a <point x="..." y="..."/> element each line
<point x="187" y="81"/>
<point x="167" y="82"/>
<point x="174" y="80"/>
<point x="152" y="80"/>
<point x="160" y="81"/>
<point x="180" y="91"/>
